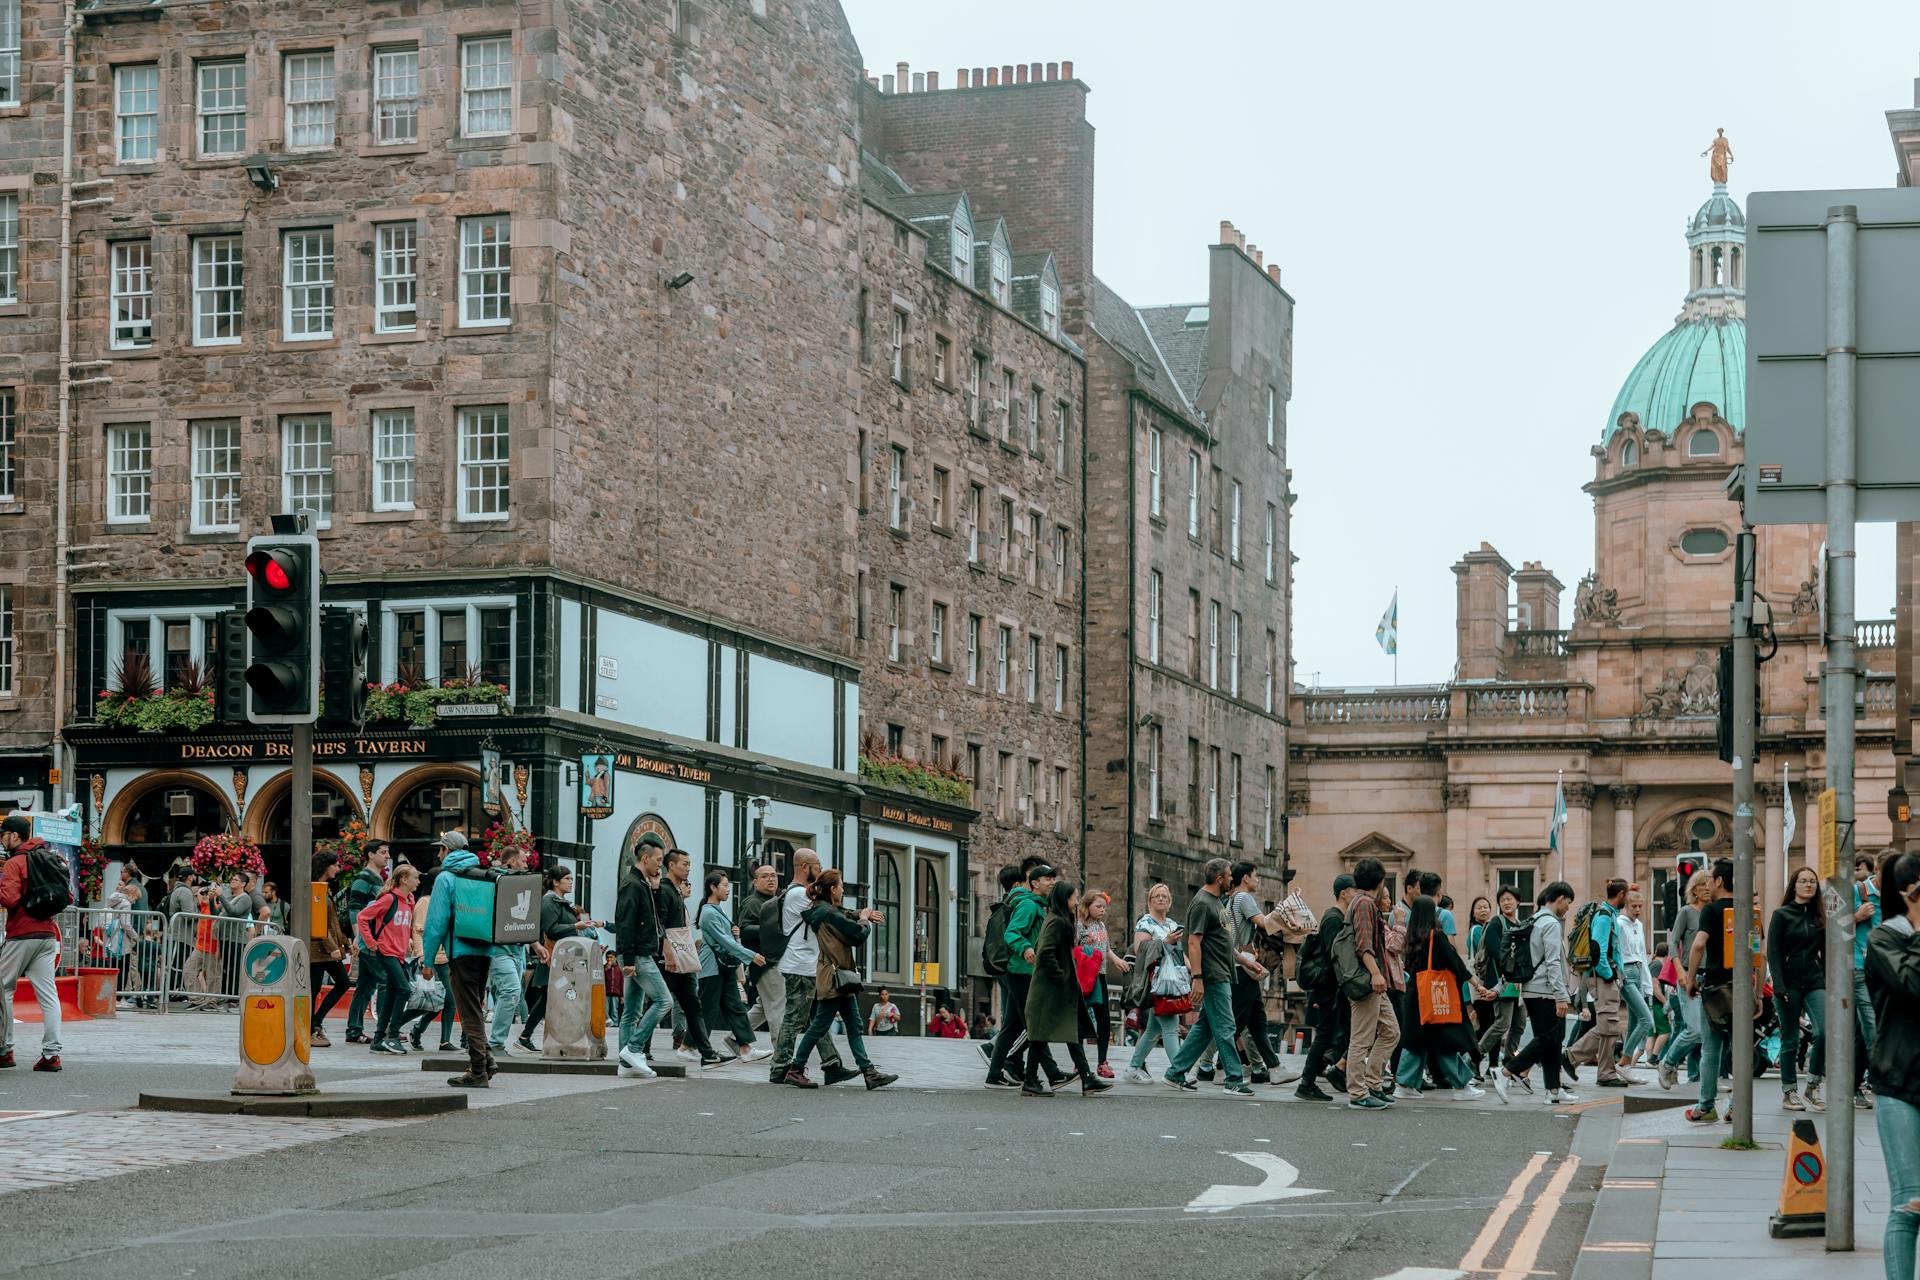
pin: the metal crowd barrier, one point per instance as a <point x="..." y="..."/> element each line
<point x="199" y="960"/>
<point x="128" y="942"/>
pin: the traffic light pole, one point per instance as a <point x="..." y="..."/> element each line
<point x="1842" y="231"/>
<point x="300" y="859"/>
<point x="1744" y="712"/>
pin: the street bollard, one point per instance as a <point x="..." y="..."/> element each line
<point x="275" y="1018"/>
<point x="576" y="1000"/>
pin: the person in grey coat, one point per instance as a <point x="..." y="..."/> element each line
<point x="1545" y="998"/>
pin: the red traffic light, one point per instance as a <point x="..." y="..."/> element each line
<point x="275" y="570"/>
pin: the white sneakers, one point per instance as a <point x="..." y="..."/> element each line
<point x="1401" y="1091"/>
<point x="755" y="1054"/>
<point x="1136" y="1075"/>
<point x="1468" y="1093"/>
<point x="1558" y="1097"/>
<point x="635" y="1065"/>
<point x="1499" y="1077"/>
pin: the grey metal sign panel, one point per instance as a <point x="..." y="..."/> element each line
<point x="1786" y="427"/>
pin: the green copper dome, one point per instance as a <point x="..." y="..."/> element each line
<point x="1703" y="358"/>
<point x="1704" y="355"/>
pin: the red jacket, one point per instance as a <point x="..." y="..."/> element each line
<point x="394" y="936"/>
<point x="13" y="883"/>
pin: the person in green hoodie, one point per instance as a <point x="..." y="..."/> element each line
<point x="1026" y="912"/>
<point x="468" y="964"/>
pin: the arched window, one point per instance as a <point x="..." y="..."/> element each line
<point x="174" y="819"/>
<point x="1703" y="444"/>
<point x="1629" y="454"/>
<point x="331" y="811"/>
<point x="445" y="804"/>
<point x="886" y="897"/>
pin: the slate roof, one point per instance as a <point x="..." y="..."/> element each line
<point x="1116" y="321"/>
<point x="1183" y="345"/>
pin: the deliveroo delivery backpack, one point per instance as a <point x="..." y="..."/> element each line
<point x="493" y="906"/>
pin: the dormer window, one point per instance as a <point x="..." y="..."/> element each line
<point x="962" y="240"/>
<point x="1629" y="454"/>
<point x="1049" y="309"/>
<point x="1002" y="277"/>
<point x="1703" y="444"/>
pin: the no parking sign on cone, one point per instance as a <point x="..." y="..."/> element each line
<point x="1803" y="1189"/>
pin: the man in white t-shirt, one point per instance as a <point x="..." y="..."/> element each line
<point x="797" y="967"/>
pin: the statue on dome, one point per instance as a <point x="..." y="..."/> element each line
<point x="1722" y="153"/>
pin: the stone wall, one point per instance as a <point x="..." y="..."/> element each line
<point x="923" y="544"/>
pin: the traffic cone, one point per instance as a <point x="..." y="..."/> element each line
<point x="1803" y="1189"/>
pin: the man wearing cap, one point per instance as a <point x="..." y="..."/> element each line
<point x="365" y="886"/>
<point x="1326" y="1007"/>
<point x="636" y="923"/>
<point x="31" y="948"/>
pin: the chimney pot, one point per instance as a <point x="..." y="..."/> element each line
<point x="1037" y="69"/>
<point x="1066" y="71"/>
<point x="1006" y="73"/>
<point x="1253" y="251"/>
<point x="993" y="76"/>
<point x="1240" y="239"/>
<point x="979" y="78"/>
<point x="886" y="84"/>
<point x="1020" y="73"/>
<point x="960" y="77"/>
<point x="933" y="81"/>
<point x="1226" y="232"/>
<point x="900" y="75"/>
<point x="919" y="82"/>
<point x="1273" y="272"/>
<point x="1053" y="71"/>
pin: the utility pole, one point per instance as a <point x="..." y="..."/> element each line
<point x="1744" y="712"/>
<point x="300" y="859"/>
<point x="1842" y="232"/>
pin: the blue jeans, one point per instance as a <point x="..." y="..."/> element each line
<point x="824" y="1012"/>
<point x="503" y="984"/>
<point x="1683" y="1011"/>
<point x="1713" y="1047"/>
<point x="645" y="988"/>
<point x="1216" y="1028"/>
<point x="1639" y="1016"/>
<point x="1863" y="1007"/>
<point x="1450" y="1069"/>
<point x="1789" y="1005"/>
<point x="1164" y="1027"/>
<point x="1899" y="1126"/>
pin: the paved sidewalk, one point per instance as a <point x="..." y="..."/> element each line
<point x="1703" y="1206"/>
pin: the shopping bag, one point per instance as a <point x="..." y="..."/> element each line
<point x="1439" y="993"/>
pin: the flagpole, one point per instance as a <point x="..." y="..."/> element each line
<point x="1396" y="636"/>
<point x="1559" y="826"/>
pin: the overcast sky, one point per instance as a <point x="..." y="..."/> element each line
<point x="1479" y="209"/>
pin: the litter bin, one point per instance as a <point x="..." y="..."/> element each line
<point x="274" y="1017"/>
<point x="576" y="1000"/>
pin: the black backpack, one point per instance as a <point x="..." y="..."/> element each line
<point x="995" y="954"/>
<point x="1314" y="968"/>
<point x="773" y="938"/>
<point x="48" y="891"/>
<point x="1516" y="962"/>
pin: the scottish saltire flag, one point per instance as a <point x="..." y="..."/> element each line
<point x="1388" y="632"/>
<point x="1559" y="814"/>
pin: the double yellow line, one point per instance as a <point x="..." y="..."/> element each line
<point x="1525" y="1250"/>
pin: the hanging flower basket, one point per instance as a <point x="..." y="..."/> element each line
<point x="498" y="844"/>
<point x="220" y="856"/>
<point x="350" y="847"/>
<point x="93" y="869"/>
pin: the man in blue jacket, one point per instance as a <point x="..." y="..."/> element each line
<point x="468" y="963"/>
<point x="1601" y="1044"/>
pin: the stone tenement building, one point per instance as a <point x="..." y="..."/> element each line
<point x="1187" y="579"/>
<point x="970" y="412"/>
<point x="1621" y="705"/>
<point x="545" y="311"/>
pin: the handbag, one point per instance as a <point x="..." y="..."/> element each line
<point x="677" y="951"/>
<point x="848" y="982"/>
<point x="1439" y="993"/>
<point x="1166" y="1005"/>
<point x="1086" y="967"/>
<point x="426" y="994"/>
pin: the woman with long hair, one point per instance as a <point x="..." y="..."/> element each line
<point x="1479" y="915"/>
<point x="1054" y="999"/>
<point x="1797" y="963"/>
<point x="1506" y="1025"/>
<point x="1159" y="927"/>
<point x="1893" y="984"/>
<point x="1428" y="1040"/>
<point x="839" y="932"/>
<point x="1092" y="954"/>
<point x="1683" y="1010"/>
<point x="385" y="927"/>
<point x="720" y="961"/>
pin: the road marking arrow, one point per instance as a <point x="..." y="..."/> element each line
<point x="1278" y="1185"/>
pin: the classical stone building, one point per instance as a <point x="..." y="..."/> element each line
<point x="1619" y="701"/>
<point x="1187" y="569"/>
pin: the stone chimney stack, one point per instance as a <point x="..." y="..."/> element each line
<point x="1480" y="614"/>
<point x="1537" y="593"/>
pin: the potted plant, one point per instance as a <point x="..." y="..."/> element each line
<point x="499" y="841"/>
<point x="218" y="856"/>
